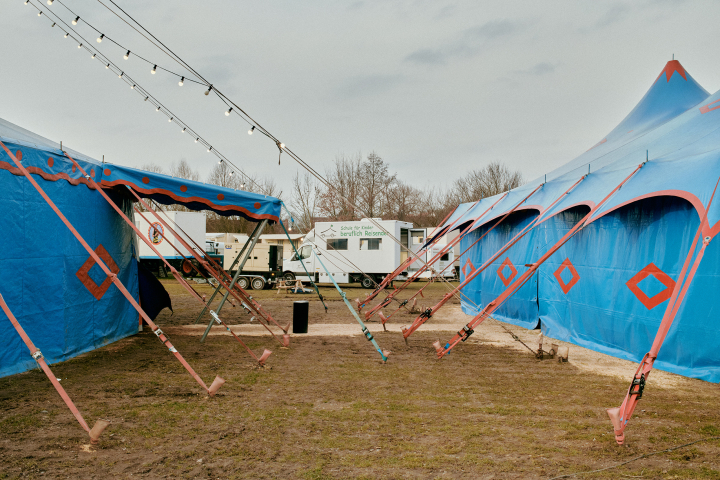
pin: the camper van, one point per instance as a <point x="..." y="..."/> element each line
<point x="192" y="223"/>
<point x="349" y="249"/>
<point x="264" y="264"/>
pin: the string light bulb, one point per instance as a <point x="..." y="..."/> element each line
<point x="182" y="80"/>
<point x="94" y="55"/>
<point x="282" y="145"/>
<point x="153" y="70"/>
<point x="210" y="150"/>
<point x="40" y="13"/>
<point x="183" y="130"/>
<point x="49" y="2"/>
<point x="242" y="185"/>
<point x="107" y="66"/>
<point x="77" y="19"/>
<point x="121" y="74"/>
<point x="66" y="34"/>
<point x="146" y="99"/>
<point x="127" y="55"/>
<point x="51" y="26"/>
<point x="80" y="45"/>
<point x="196" y="140"/>
<point x="171" y="119"/>
<point x="232" y="173"/>
<point x="100" y="38"/>
<point x="250" y="132"/>
<point x="209" y="90"/>
<point x="26" y="2"/>
<point x="227" y="114"/>
<point x="158" y="109"/>
<point x="133" y="87"/>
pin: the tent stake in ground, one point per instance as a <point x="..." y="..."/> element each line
<point x="619" y="416"/>
<point x="218" y="382"/>
<point x="180" y="279"/>
<point x="100" y="425"/>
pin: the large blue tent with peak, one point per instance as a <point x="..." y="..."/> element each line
<point x="59" y="295"/>
<point x="607" y="288"/>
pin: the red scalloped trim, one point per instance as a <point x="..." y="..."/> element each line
<point x="224" y="208"/>
<point x="46" y="176"/>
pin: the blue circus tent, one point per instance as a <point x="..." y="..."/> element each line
<point x="58" y="294"/>
<point x="607" y="287"/>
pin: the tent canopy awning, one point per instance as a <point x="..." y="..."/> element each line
<point x="44" y="158"/>
<point x="194" y="195"/>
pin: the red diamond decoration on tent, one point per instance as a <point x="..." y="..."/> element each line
<point x="98" y="291"/>
<point x="575" y="276"/>
<point x="507" y="263"/>
<point x="468" y="268"/>
<point x="657" y="299"/>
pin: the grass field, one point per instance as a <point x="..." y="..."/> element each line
<point x="327" y="408"/>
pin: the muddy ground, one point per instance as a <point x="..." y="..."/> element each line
<point x="328" y="408"/>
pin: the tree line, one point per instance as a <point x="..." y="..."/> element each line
<point x="367" y="183"/>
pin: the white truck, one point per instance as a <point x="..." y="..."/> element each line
<point x="351" y="249"/>
<point x="192" y="223"/>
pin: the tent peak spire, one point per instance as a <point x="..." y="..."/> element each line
<point x="670" y="68"/>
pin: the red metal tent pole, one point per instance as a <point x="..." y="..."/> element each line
<point x="425" y="316"/>
<point x="619" y="416"/>
<point x="174" y="272"/>
<point x="434" y="259"/>
<point x="245" y="299"/>
<point x="409" y="261"/>
<point x="245" y="302"/>
<point x="217" y="383"/>
<point x="468" y="329"/>
<point x="100" y="425"/>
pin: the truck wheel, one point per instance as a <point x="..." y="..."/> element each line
<point x="258" y="283"/>
<point x="289" y="276"/>
<point x="367" y="282"/>
<point x="243" y="283"/>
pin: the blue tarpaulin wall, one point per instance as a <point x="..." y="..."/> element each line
<point x="40" y="258"/>
<point x="608" y="287"/>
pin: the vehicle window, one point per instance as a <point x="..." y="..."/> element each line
<point x="337" y="244"/>
<point x="370" y="243"/>
<point x="305" y="252"/>
<point x="445" y="257"/>
<point x="417" y="237"/>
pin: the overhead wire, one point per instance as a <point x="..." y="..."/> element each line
<point x="143" y="92"/>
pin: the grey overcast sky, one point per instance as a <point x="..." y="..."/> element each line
<point x="436" y="88"/>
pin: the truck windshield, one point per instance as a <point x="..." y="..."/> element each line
<point x="305" y="252"/>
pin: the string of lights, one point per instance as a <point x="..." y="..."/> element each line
<point x="235" y="108"/>
<point x="96" y="54"/>
<point x="128" y="52"/>
<point x="255" y="125"/>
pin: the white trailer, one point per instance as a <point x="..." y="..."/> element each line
<point x="349" y="250"/>
<point x="418" y="237"/>
<point x="192" y="223"/>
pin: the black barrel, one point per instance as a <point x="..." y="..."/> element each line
<point x="300" y="316"/>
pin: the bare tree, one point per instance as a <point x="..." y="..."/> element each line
<point x="345" y="179"/>
<point x="183" y="170"/>
<point x="490" y="180"/>
<point x="152" y="167"/>
<point x="375" y="184"/>
<point x="305" y="197"/>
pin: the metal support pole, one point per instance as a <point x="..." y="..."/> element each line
<point x="212" y="297"/>
<point x="253" y="240"/>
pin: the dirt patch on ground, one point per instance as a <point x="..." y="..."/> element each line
<point x="327" y="407"/>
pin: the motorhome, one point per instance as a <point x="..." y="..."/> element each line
<point x="264" y="265"/>
<point x="353" y="252"/>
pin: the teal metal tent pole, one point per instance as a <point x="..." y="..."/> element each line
<point x="237" y="259"/>
<point x="317" y="290"/>
<point x="253" y="240"/>
<point x="383" y="353"/>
